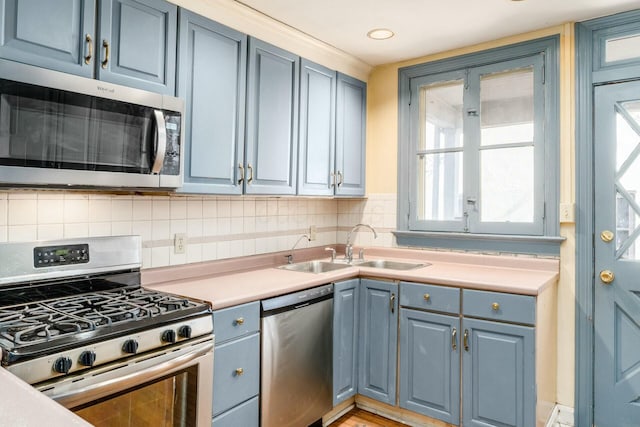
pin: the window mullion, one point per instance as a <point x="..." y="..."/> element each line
<point x="471" y="159"/>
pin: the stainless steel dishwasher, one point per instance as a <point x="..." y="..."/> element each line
<point x="296" y="386"/>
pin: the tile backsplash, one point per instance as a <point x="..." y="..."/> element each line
<point x="216" y="227"/>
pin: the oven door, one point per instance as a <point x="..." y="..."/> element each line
<point x="168" y="389"/>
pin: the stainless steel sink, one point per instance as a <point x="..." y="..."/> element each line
<point x="392" y="265"/>
<point x="314" y="266"/>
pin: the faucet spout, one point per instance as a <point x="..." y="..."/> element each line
<point x="348" y="252"/>
<point x="290" y="256"/>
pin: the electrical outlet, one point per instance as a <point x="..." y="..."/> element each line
<point x="312" y="232"/>
<point x="180" y="243"/>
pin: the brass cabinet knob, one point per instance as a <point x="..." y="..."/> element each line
<point x="607" y="276"/>
<point x="239" y="372"/>
<point x="495" y="306"/>
<point x="427" y="297"/>
<point x="239" y="320"/>
<point x="606" y="236"/>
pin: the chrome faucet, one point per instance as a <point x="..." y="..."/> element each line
<point x="290" y="256"/>
<point x="348" y="250"/>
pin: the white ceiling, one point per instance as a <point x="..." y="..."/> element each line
<point x="424" y="27"/>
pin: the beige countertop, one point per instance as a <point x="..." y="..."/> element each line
<point x="24" y="406"/>
<point x="520" y="275"/>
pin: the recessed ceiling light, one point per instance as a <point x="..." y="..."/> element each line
<point x="380" y="34"/>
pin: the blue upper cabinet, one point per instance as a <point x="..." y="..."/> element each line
<point x="378" y="340"/>
<point x="137" y="44"/>
<point x="272" y="120"/>
<point x="212" y="81"/>
<point x="133" y="42"/>
<point x="316" y="169"/>
<point x="50" y="34"/>
<point x="350" y="136"/>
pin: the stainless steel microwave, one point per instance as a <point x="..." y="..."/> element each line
<point x="61" y="130"/>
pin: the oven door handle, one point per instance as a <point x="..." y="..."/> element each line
<point x="161" y="142"/>
<point x="121" y="381"/>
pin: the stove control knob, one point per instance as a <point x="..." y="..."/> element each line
<point x="169" y="336"/>
<point x="185" y="331"/>
<point x="62" y="365"/>
<point x="130" y="346"/>
<point x="87" y="358"/>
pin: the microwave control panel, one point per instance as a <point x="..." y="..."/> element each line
<point x="49" y="256"/>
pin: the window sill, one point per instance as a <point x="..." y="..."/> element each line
<point x="539" y="245"/>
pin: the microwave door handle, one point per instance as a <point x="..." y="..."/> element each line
<point x="161" y="142"/>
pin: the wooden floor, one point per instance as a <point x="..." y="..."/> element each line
<point x="360" y="418"/>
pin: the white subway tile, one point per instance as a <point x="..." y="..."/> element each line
<point x="194" y="252"/>
<point x="72" y="230"/>
<point x="210" y="227"/>
<point x="237" y="225"/>
<point x="22" y="233"/>
<point x="146" y="257"/>
<point x="122" y="210"/>
<point x="235" y="248"/>
<point x="76" y="210"/>
<point x="249" y="208"/>
<point x="144" y="229"/>
<point x="272" y="207"/>
<point x="224" y="226"/>
<point x="99" y="210"/>
<point x="194" y="228"/>
<point x="178" y="208"/>
<point x="160" y="256"/>
<point x="23" y="195"/>
<point x="50" y="231"/>
<point x="3" y="233"/>
<point x="178" y="226"/>
<point x="177" y="259"/>
<point x="161" y="230"/>
<point x="3" y="211"/>
<point x="97" y="229"/>
<point x="224" y="250"/>
<point x="161" y="209"/>
<point x="224" y="208"/>
<point x="121" y="228"/>
<point x="209" y="251"/>
<point x="194" y="209"/>
<point x="209" y="208"/>
<point x="249" y="247"/>
<point x="23" y="211"/>
<point x="237" y="208"/>
<point x="4" y="195"/>
<point x="261" y="207"/>
<point x="249" y="225"/>
<point x="142" y="209"/>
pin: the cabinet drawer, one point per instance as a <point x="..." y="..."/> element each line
<point x="499" y="306"/>
<point x="245" y="415"/>
<point x="234" y="322"/>
<point x="236" y="372"/>
<point x="430" y="297"/>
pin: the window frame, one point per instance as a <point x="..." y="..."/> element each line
<point x="541" y="237"/>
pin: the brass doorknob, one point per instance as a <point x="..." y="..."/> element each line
<point x="606" y="236"/>
<point x="607" y="276"/>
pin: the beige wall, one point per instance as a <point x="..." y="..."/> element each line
<point x="382" y="146"/>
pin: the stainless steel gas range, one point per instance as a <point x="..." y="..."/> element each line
<point x="76" y="324"/>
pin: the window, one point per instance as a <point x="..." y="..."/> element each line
<point x="478" y="144"/>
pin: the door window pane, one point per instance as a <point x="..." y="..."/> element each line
<point x="507" y="185"/>
<point x="440" y="186"/>
<point x="507" y="107"/>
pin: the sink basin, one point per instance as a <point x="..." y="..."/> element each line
<point x="314" y="266"/>
<point x="392" y="265"/>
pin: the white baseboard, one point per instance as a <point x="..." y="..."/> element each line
<point x="562" y="416"/>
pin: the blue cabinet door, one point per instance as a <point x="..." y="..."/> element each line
<point x="430" y="364"/>
<point x="272" y="120"/>
<point x="246" y="414"/>
<point x="350" y="136"/>
<point x="378" y="340"/>
<point x="345" y="339"/>
<point x="137" y="44"/>
<point x="317" y="130"/>
<point x="212" y="81"/>
<point x="498" y="370"/>
<point x="50" y="34"/>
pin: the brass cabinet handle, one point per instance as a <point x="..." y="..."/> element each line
<point x="454" y="339"/>
<point x="105" y="44"/>
<point x="340" y="179"/>
<point x="89" y="40"/>
<point x="607" y="236"/>
<point x="607" y="276"/>
<point x="465" y="339"/>
<point x="495" y="306"/>
<point x="392" y="304"/>
<point x="239" y="321"/>
<point x="239" y="372"/>
<point x="332" y="180"/>
<point x="241" y="173"/>
<point x="250" y="179"/>
<point x="427" y="297"/>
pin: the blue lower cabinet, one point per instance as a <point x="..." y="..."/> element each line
<point x="498" y="364"/>
<point x="378" y="340"/>
<point x="243" y="415"/>
<point x="345" y="339"/>
<point x="430" y="364"/>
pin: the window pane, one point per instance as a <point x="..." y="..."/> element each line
<point x="506" y="107"/>
<point x="441" y="115"/>
<point x="622" y="48"/>
<point x="440" y="187"/>
<point x="506" y="185"/>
